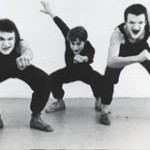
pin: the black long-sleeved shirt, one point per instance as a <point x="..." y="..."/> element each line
<point x="88" y="50"/>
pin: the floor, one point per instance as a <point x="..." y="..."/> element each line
<point x="78" y="126"/>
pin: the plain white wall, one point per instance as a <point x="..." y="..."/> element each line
<point x="99" y="17"/>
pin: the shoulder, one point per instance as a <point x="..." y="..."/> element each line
<point x="88" y="45"/>
<point x="117" y="35"/>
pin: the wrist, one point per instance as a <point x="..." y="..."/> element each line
<point x="51" y="14"/>
<point x="137" y="59"/>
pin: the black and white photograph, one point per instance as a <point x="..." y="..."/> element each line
<point x="74" y="74"/>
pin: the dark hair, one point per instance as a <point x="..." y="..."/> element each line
<point x="77" y="32"/>
<point x="7" y="25"/>
<point x="136" y="9"/>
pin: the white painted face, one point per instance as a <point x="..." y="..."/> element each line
<point x="135" y="25"/>
<point x="77" y="46"/>
<point x="7" y="42"/>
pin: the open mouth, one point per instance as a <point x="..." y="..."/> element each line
<point x="135" y="31"/>
<point x="76" y="52"/>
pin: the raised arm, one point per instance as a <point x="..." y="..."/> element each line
<point x="62" y="26"/>
<point x="116" y="61"/>
<point x="47" y="9"/>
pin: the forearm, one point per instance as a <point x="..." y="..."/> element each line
<point x="89" y="55"/>
<point x="89" y="59"/>
<point x="61" y="25"/>
<point x="24" y="49"/>
<point x="28" y="53"/>
<point x="119" y="62"/>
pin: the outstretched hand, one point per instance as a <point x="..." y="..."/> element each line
<point x="46" y="9"/>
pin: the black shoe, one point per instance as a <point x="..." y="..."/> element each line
<point x="104" y="118"/>
<point x="1" y="123"/>
<point x="37" y="123"/>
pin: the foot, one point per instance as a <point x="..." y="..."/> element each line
<point x="56" y="106"/>
<point x="104" y="118"/>
<point x="37" y="123"/>
<point x="1" y="123"/>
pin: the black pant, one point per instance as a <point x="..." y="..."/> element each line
<point x="76" y="72"/>
<point x="35" y="78"/>
<point x="111" y="78"/>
